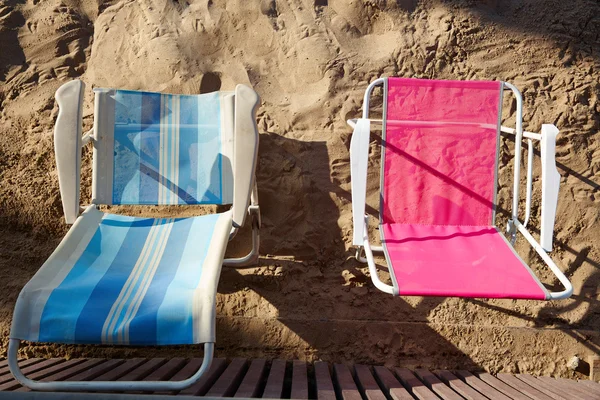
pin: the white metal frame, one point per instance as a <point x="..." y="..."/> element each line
<point x="68" y="144"/>
<point x="359" y="154"/>
<point x="76" y="386"/>
<point x="252" y="257"/>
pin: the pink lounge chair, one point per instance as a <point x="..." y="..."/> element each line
<point x="439" y="166"/>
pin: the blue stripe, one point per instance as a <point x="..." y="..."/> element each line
<point x="126" y="148"/>
<point x="178" y="299"/>
<point x="144" y="326"/>
<point x="89" y="325"/>
<point x="188" y="150"/>
<point x="149" y="148"/>
<point x="58" y="320"/>
<point x="209" y="151"/>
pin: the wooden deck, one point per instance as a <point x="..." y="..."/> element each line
<point x="244" y="378"/>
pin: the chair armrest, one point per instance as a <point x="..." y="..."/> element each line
<point x="245" y="151"/>
<point x="359" y="158"/>
<point x="550" y="185"/>
<point x="67" y="145"/>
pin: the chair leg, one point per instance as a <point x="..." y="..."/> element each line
<point x="359" y="253"/>
<point x="371" y="263"/>
<point x="550" y="263"/>
<point x="150" y="386"/>
<point x="252" y="257"/>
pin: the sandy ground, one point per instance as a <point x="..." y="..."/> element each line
<point x="310" y="62"/>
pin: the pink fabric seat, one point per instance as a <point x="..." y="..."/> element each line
<point x="459" y="261"/>
<point x="441" y="141"/>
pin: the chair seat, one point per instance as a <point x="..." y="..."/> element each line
<point x="457" y="261"/>
<point x="126" y="280"/>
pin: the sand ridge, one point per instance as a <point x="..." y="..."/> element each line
<point x="310" y="63"/>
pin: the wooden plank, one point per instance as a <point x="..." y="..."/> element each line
<point x="501" y="386"/>
<point x="41" y="374"/>
<point x="436" y="385"/>
<point x="367" y="384"/>
<point x="544" y="388"/>
<point x="480" y="385"/>
<point x="189" y="368"/>
<point x="251" y="384"/>
<point x="96" y="371"/>
<point x="594" y="361"/>
<point x="522" y="387"/>
<point x="74" y="370"/>
<point x="163" y="373"/>
<point x="414" y="385"/>
<point x="325" y="389"/>
<point x="572" y="392"/>
<point x="392" y="387"/>
<point x="121" y="370"/>
<point x="66" y="373"/>
<point x="143" y="370"/>
<point x="459" y="386"/>
<point x="299" y="380"/>
<point x="28" y="362"/>
<point x="167" y="370"/>
<point x="230" y="379"/>
<point x="345" y="383"/>
<point x="22" y="364"/>
<point x="33" y="368"/>
<point x="274" y="386"/>
<point x="581" y="389"/>
<point x="590" y="385"/>
<point x="199" y="388"/>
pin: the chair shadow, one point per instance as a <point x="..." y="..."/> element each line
<point x="324" y="301"/>
<point x="312" y="299"/>
<point x="550" y="314"/>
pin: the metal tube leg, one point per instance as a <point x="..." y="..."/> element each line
<point x="252" y="257"/>
<point x="249" y="259"/>
<point x="359" y="252"/>
<point x="150" y="386"/>
<point x="371" y="263"/>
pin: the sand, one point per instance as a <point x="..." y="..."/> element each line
<point x="310" y="62"/>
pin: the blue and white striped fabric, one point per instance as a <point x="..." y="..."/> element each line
<point x="161" y="148"/>
<point x="126" y="280"/>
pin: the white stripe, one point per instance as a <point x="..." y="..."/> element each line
<point x="128" y="286"/>
<point x="165" y="159"/>
<point x="125" y="293"/>
<point x="164" y="148"/>
<point x="135" y="304"/>
<point x="161" y="164"/>
<point x="171" y="153"/>
<point x="175" y="153"/>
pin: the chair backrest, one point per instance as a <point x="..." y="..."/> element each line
<point x="441" y="141"/>
<point x="154" y="148"/>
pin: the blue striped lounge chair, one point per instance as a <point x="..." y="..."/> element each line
<point x="121" y="280"/>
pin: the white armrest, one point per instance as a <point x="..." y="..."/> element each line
<point x="359" y="157"/>
<point x="245" y="151"/>
<point x="67" y="145"/>
<point x="550" y="184"/>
